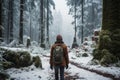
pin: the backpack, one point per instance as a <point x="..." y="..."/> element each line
<point x="58" y="54"/>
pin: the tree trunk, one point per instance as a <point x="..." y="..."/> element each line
<point x="42" y="25"/>
<point x="74" y="45"/>
<point x="110" y="14"/>
<point x="48" y="21"/>
<point x="10" y="32"/>
<point x="75" y="19"/>
<point x="9" y="28"/>
<point x="21" y="22"/>
<point x="1" y="20"/>
<point x="82" y="34"/>
<point x="111" y="27"/>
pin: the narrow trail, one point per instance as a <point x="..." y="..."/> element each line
<point x="76" y="77"/>
<point x="95" y="71"/>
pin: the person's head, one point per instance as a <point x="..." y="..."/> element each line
<point x="59" y="39"/>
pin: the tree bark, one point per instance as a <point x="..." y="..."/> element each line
<point x="21" y="22"/>
<point x="82" y="34"/>
<point x="111" y="26"/>
<point x="1" y="20"/>
<point x="48" y="21"/>
<point x="110" y="14"/>
<point x="10" y="15"/>
<point x="42" y="25"/>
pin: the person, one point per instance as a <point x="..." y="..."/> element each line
<point x="59" y="67"/>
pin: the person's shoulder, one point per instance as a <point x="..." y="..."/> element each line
<point x="64" y="45"/>
<point x="53" y="46"/>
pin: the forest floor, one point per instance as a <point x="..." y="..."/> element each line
<point x="77" y="77"/>
<point x="79" y="69"/>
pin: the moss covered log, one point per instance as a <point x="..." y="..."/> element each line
<point x="16" y="59"/>
<point x="19" y="59"/>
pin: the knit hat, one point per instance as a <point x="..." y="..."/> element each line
<point x="59" y="37"/>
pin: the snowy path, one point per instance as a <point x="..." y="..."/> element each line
<point x="96" y="71"/>
<point x="79" y="68"/>
<point x="81" y="74"/>
<point x="84" y="74"/>
<point x="32" y="73"/>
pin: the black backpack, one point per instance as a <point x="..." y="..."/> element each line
<point x="58" y="54"/>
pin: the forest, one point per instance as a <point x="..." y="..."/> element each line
<point x="28" y="29"/>
<point x="34" y="19"/>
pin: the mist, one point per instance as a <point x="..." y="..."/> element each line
<point x="66" y="28"/>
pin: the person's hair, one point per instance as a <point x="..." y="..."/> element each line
<point x="59" y="39"/>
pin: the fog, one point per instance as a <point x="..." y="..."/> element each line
<point x="67" y="29"/>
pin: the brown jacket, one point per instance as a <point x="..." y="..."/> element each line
<point x="65" y="59"/>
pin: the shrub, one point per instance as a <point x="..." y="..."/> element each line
<point x="105" y="32"/>
<point x="85" y="55"/>
<point x="105" y="39"/>
<point x="115" y="43"/>
<point x="37" y="61"/>
<point x="108" y="58"/>
<point x="97" y="54"/>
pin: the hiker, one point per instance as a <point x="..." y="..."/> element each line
<point x="59" y="58"/>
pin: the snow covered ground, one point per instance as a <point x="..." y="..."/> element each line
<point x="33" y="73"/>
<point x="84" y="62"/>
